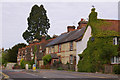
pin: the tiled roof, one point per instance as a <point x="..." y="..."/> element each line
<point x="43" y="44"/>
<point x="114" y="25"/>
<point x="67" y="37"/>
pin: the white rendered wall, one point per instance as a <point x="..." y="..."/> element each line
<point x="82" y="45"/>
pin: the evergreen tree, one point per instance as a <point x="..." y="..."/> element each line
<point x="38" y="24"/>
<point x="12" y="53"/>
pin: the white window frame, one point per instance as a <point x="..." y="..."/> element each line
<point x="115" y="40"/>
<point x="59" y="49"/>
<point x="31" y="49"/>
<point x="31" y="53"/>
<point x="71" y="59"/>
<point x="115" y="60"/>
<point x="40" y="47"/>
<point x="40" y="51"/>
<point x="71" y="46"/>
<point x="49" y="50"/>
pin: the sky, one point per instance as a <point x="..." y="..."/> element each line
<point x="61" y="14"/>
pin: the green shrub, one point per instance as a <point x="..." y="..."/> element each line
<point x="59" y="68"/>
<point x="29" y="66"/>
<point x="47" y="59"/>
<point x="116" y="69"/>
<point x="22" y="63"/>
<point x="16" y="65"/>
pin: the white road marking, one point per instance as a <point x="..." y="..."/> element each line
<point x="32" y="74"/>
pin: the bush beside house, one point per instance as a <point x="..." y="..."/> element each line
<point x="116" y="69"/>
<point x="47" y="59"/>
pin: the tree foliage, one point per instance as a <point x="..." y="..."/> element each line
<point x="97" y="53"/>
<point x="22" y="63"/>
<point x="4" y="59"/>
<point x="47" y="59"/>
<point x="12" y="53"/>
<point x="38" y="24"/>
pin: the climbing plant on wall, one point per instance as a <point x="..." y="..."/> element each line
<point x="100" y="46"/>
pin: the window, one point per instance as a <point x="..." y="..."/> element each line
<point x="32" y="58"/>
<point x="31" y="49"/>
<point x="31" y="54"/>
<point x="59" y="48"/>
<point x="54" y="61"/>
<point x="115" y="60"/>
<point x="71" y="59"/>
<point x="49" y="50"/>
<point x="25" y="51"/>
<point x="40" y="47"/>
<point x="23" y="54"/>
<point x="40" y="51"/>
<point x="116" y="41"/>
<point x="53" y="49"/>
<point x="59" y="58"/>
<point x="71" y="46"/>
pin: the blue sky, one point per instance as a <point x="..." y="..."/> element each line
<point x="60" y="14"/>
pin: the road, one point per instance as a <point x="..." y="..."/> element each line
<point x="56" y="75"/>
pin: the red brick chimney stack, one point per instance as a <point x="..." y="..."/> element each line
<point x="82" y="23"/>
<point x="43" y="38"/>
<point x="82" y="19"/>
<point x="70" y="28"/>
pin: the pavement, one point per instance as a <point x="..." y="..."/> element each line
<point x="49" y="74"/>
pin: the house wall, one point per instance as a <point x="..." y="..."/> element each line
<point x="65" y="51"/>
<point x="41" y="63"/>
<point x="82" y="45"/>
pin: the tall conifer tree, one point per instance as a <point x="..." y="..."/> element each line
<point x="38" y="24"/>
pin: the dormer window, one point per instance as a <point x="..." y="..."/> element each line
<point x="71" y="46"/>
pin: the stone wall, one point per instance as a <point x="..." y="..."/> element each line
<point x="10" y="65"/>
<point x="108" y="68"/>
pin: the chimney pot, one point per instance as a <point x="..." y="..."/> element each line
<point x="82" y="19"/>
<point x="70" y="28"/>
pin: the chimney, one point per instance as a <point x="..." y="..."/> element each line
<point x="82" y="23"/>
<point x="82" y="19"/>
<point x="43" y="38"/>
<point x="70" y="28"/>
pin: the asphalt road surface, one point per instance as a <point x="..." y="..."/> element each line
<point x="56" y="75"/>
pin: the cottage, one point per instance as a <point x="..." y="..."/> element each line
<point x="100" y="45"/>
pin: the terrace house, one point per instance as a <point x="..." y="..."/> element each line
<point x="34" y="48"/>
<point x="64" y="47"/>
